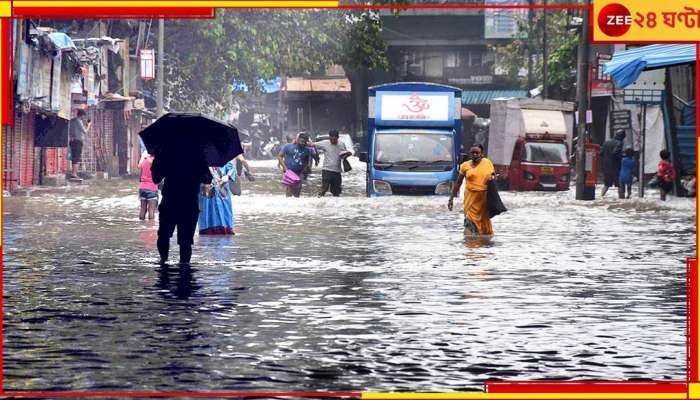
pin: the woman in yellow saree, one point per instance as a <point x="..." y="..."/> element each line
<point x="478" y="172"/>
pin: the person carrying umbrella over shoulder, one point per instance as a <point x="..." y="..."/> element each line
<point x="180" y="205"/>
<point x="184" y="146"/>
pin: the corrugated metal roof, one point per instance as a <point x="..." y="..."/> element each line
<point x="485" y="96"/>
<point x="318" y="85"/>
<point x="625" y="66"/>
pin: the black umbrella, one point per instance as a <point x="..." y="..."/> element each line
<point x="184" y="134"/>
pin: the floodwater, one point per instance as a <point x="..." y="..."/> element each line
<point x="342" y="294"/>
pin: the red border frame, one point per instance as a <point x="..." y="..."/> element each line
<point x="107" y="13"/>
<point x="503" y="387"/>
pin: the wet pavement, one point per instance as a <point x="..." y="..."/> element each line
<point x="348" y="294"/>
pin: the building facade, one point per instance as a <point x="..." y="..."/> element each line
<point x="55" y="76"/>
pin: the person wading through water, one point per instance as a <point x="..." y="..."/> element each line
<point x="477" y="172"/>
<point x="179" y="207"/>
<point x="611" y="159"/>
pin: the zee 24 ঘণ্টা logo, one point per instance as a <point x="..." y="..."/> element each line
<point x="416" y="105"/>
<point x="615" y="19"/>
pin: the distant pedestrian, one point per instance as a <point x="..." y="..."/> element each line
<point x="611" y="158"/>
<point x="294" y="157"/>
<point x="180" y="205"/>
<point x="689" y="186"/>
<point x="79" y="126"/>
<point x="477" y="172"/>
<point x="242" y="168"/>
<point x="333" y="154"/>
<point x="666" y="173"/>
<point x="215" y="202"/>
<point x="313" y="159"/>
<point x="148" y="190"/>
<point x="626" y="173"/>
<point x="289" y="139"/>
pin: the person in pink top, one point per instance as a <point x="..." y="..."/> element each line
<point x="666" y="173"/>
<point x="148" y="190"/>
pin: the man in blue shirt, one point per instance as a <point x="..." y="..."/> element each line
<point x="295" y="156"/>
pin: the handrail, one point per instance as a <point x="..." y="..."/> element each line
<point x="685" y="103"/>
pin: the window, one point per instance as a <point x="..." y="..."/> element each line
<point x="433" y="65"/>
<point x="475" y="58"/>
<point x="452" y="59"/>
<point x="413" y="64"/>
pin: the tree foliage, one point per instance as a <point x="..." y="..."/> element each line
<point x="562" y="45"/>
<point x="205" y="57"/>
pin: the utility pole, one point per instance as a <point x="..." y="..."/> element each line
<point x="530" y="47"/>
<point x="161" y="69"/>
<point x="545" y="53"/>
<point x="582" y="95"/>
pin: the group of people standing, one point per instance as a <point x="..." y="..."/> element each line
<point x="618" y="168"/>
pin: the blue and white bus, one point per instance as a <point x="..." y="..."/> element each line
<point x="414" y="139"/>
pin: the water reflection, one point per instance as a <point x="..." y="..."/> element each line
<point x="339" y="294"/>
<point x="182" y="286"/>
<point x="477" y="241"/>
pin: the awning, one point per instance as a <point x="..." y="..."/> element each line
<point x="485" y="96"/>
<point x="625" y="66"/>
<point x="62" y="41"/>
<point x="297" y="84"/>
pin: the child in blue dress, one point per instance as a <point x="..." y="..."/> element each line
<point x="626" y="169"/>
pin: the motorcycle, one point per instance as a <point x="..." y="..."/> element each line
<point x="270" y="149"/>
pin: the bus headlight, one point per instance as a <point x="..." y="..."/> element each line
<point x="381" y="187"/>
<point x="564" y="178"/>
<point x="443" y="188"/>
<point x="528" y="176"/>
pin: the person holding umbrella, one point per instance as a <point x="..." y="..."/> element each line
<point x="180" y="205"/>
<point x="184" y="145"/>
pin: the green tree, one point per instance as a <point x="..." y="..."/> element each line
<point x="562" y="45"/>
<point x="205" y="57"/>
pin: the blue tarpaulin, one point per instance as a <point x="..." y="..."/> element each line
<point x="271" y="86"/>
<point x="62" y="41"/>
<point x="625" y="66"/>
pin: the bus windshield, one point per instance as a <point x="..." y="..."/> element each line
<point x="407" y="146"/>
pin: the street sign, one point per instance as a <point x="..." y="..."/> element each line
<point x="620" y="119"/>
<point x="589" y="117"/>
<point x="601" y="85"/>
<point x="147" y="60"/>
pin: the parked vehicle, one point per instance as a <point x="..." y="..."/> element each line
<point x="271" y="148"/>
<point x="413" y="139"/>
<point x="529" y="143"/>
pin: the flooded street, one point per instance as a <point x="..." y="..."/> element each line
<point x="326" y="294"/>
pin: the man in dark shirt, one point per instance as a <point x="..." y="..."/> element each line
<point x="180" y="205"/>
<point x="78" y="131"/>
<point x="611" y="157"/>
